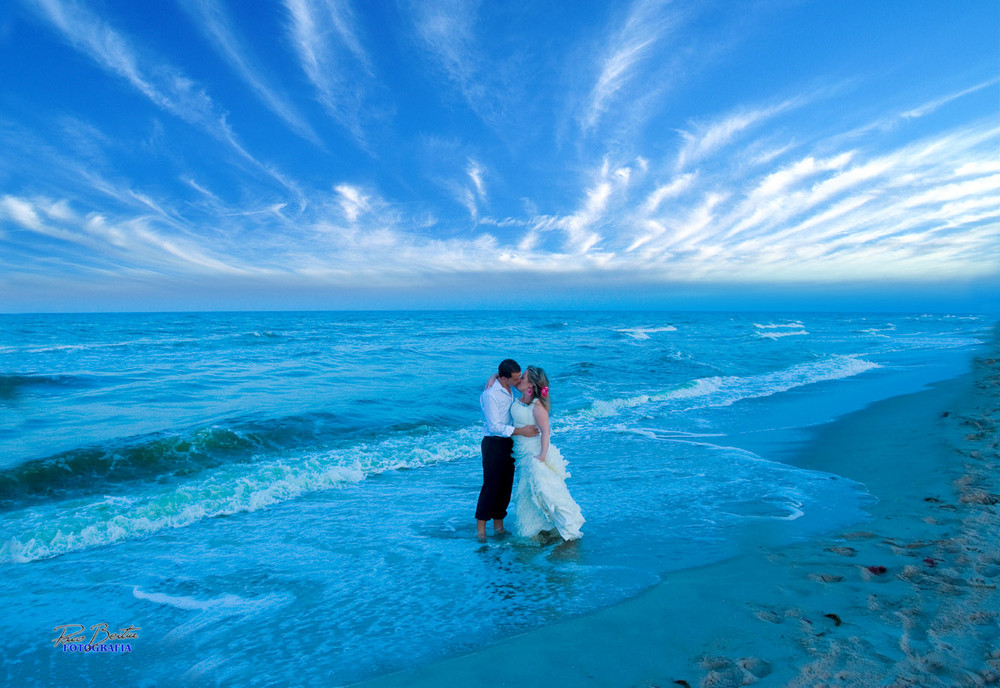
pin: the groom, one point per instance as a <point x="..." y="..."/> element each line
<point x="498" y="447"/>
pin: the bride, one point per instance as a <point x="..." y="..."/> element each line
<point x="541" y="500"/>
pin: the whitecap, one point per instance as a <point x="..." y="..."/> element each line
<point x="777" y="335"/>
<point x="779" y="326"/>
<point x="644" y="332"/>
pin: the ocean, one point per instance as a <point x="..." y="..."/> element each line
<point x="287" y="498"/>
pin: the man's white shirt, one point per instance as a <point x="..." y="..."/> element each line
<point x="496" y="402"/>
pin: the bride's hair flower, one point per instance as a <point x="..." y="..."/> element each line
<point x="540" y="384"/>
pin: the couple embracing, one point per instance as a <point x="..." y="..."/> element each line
<point x="517" y="434"/>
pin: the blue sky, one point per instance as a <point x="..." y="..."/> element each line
<point x="212" y="154"/>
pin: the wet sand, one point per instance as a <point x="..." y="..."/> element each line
<point x="908" y="598"/>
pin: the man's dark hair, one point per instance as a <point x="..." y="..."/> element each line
<point x="508" y="367"/>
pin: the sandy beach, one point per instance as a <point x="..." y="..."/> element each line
<point x="908" y="598"/>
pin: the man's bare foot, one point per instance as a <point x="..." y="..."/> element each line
<point x="481" y="531"/>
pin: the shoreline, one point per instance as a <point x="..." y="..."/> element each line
<point x="908" y="598"/>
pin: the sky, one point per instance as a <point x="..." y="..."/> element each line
<point x="338" y="154"/>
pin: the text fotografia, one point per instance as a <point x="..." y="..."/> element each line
<point x="73" y="638"/>
<point x="109" y="647"/>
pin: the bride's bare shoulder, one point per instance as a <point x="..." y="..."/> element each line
<point x="539" y="411"/>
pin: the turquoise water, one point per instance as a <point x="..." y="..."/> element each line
<point x="287" y="498"/>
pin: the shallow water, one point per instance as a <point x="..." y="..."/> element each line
<point x="288" y="497"/>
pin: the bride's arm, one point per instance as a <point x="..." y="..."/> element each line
<point x="542" y="421"/>
<point x="489" y="383"/>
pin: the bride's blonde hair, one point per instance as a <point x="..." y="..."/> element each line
<point x="539" y="385"/>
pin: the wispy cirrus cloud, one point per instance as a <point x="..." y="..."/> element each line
<point x="897" y="213"/>
<point x="165" y="86"/>
<point x="475" y="172"/>
<point x="489" y="73"/>
<point x="326" y="37"/>
<point x="471" y="191"/>
<point x="213" y="20"/>
<point x="646" y="26"/>
<point x="704" y="139"/>
<point x="586" y="229"/>
<point x="131" y="241"/>
<point x="353" y="201"/>
<point x="446" y="31"/>
<point x="671" y="189"/>
<point x="168" y="88"/>
<point x="937" y="103"/>
<point x="927" y="209"/>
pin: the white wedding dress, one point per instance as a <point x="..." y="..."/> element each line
<point x="541" y="500"/>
